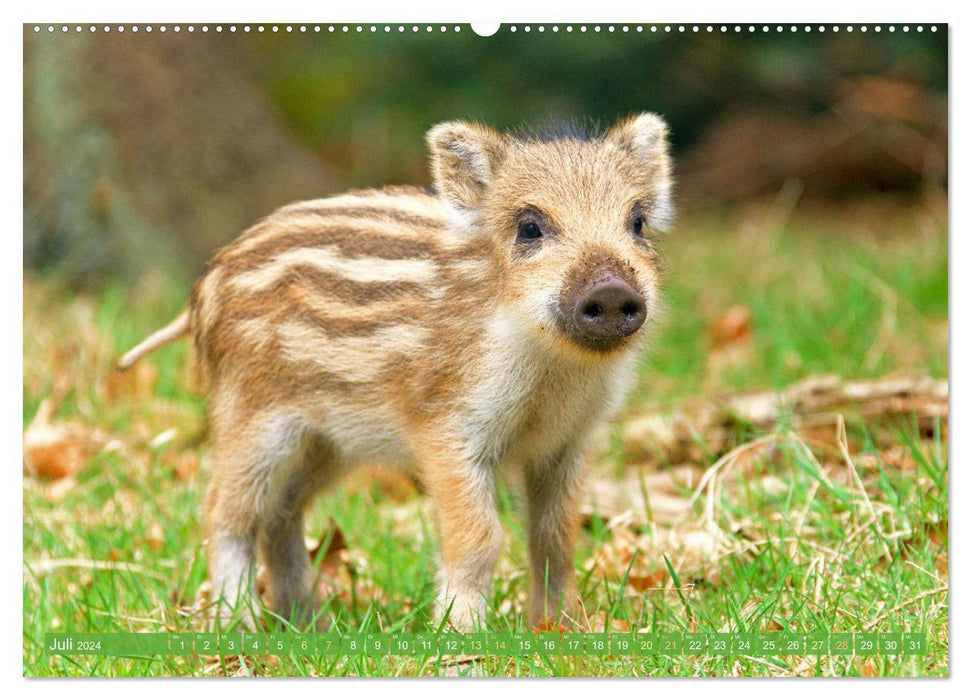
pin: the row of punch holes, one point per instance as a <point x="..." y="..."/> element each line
<point x="414" y="28"/>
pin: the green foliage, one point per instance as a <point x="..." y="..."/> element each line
<point x="364" y="102"/>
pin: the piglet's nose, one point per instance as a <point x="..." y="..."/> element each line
<point x="610" y="310"/>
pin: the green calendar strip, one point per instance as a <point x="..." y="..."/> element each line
<point x="374" y="644"/>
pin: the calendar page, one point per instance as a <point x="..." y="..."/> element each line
<point x="541" y="349"/>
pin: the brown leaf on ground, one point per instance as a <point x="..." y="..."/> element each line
<point x="184" y="464"/>
<point x="138" y="383"/>
<point x="731" y="338"/>
<point x="334" y="540"/>
<point x="692" y="551"/>
<point x="599" y="624"/>
<point x="55" y="450"/>
<point x="611" y="498"/>
<point x="334" y="563"/>
<point x="731" y="326"/>
<point x="395" y="485"/>
<point x="549" y="626"/>
<point x="651" y="581"/>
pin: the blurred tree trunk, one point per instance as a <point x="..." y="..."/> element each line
<point x="148" y="151"/>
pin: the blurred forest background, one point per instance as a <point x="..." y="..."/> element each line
<point x="148" y="149"/>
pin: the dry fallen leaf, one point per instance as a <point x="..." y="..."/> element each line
<point x="599" y="623"/>
<point x="395" y="485"/>
<point x="55" y="450"/>
<point x="731" y="326"/>
<point x="731" y="339"/>
<point x="692" y="551"/>
<point x="184" y="464"/>
<point x="137" y="383"/>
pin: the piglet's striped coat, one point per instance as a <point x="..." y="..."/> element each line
<point x="485" y="328"/>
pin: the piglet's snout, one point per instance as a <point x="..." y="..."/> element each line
<point x="610" y="310"/>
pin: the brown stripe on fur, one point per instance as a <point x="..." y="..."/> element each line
<point x="370" y="213"/>
<point x="329" y="285"/>
<point x="289" y="384"/>
<point x="290" y="302"/>
<point x="352" y="243"/>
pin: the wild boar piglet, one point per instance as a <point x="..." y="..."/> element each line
<point x="489" y="325"/>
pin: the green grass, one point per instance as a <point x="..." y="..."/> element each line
<point x="805" y="550"/>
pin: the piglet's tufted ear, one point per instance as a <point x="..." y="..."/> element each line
<point x="464" y="158"/>
<point x="645" y="137"/>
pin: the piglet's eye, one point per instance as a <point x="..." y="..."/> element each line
<point x="638" y="225"/>
<point x="529" y="231"/>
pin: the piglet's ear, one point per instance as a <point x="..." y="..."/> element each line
<point x="645" y="137"/>
<point x="464" y="158"/>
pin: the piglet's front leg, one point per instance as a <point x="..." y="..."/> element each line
<point x="552" y="488"/>
<point x="470" y="534"/>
